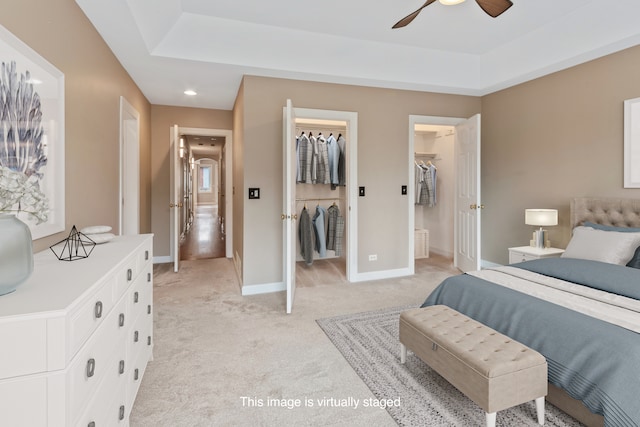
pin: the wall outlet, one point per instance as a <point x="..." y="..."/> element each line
<point x="373" y="257"/>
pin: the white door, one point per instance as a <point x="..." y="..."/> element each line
<point x="174" y="197"/>
<point x="289" y="215"/>
<point x="468" y="206"/>
<point x="129" y="168"/>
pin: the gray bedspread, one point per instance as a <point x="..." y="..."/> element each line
<point x="594" y="361"/>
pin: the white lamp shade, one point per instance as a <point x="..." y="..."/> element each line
<point x="541" y="217"/>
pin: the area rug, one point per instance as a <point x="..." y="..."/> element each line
<point x="414" y="394"/>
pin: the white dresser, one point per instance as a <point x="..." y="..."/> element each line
<point x="76" y="337"/>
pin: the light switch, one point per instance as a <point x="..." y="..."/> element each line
<point x="254" y="193"/>
<point x="404" y="190"/>
<point x="361" y="192"/>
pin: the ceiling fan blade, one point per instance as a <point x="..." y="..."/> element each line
<point x="494" y="8"/>
<point x="407" y="19"/>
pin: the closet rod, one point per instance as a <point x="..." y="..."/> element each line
<point x="318" y="199"/>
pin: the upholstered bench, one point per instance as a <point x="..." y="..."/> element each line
<point x="491" y="369"/>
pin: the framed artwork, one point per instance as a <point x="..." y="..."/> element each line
<point x="32" y="151"/>
<point x="632" y="143"/>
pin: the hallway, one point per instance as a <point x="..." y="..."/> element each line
<point x="205" y="239"/>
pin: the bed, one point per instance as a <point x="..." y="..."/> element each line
<point x="581" y="311"/>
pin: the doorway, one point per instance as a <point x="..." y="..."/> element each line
<point x="202" y="220"/>
<point x="460" y="216"/>
<point x="204" y="236"/>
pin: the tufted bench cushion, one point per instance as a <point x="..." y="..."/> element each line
<point x="491" y="369"/>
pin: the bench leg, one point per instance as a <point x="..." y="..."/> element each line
<point x="403" y="353"/>
<point x="540" y="410"/>
<point x="491" y="419"/>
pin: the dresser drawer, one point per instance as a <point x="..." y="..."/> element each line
<point x="93" y="361"/>
<point x="144" y="256"/>
<point x="140" y="295"/>
<point x="90" y="315"/>
<point x="127" y="275"/>
<point x="102" y="410"/>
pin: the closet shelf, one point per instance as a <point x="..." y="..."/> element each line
<point x="426" y="155"/>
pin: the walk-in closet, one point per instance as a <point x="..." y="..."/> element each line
<point x="434" y="194"/>
<point x="321" y="201"/>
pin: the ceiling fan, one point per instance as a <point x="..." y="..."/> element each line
<point x="493" y="8"/>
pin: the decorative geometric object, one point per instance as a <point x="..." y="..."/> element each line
<point x="73" y="247"/>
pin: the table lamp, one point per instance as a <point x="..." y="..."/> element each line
<point x="540" y="218"/>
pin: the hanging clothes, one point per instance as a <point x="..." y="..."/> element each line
<point x="322" y="171"/>
<point x="304" y="153"/>
<point x="430" y="174"/>
<point x="319" y="227"/>
<point x="425" y="184"/>
<point x="314" y="158"/>
<point x="306" y="234"/>
<point x="333" y="150"/>
<point x="342" y="143"/>
<point x="335" y="229"/>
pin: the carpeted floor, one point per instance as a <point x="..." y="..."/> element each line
<point x="221" y="359"/>
<point x="414" y="394"/>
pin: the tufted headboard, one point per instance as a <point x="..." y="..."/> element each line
<point x="607" y="211"/>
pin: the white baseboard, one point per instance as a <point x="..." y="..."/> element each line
<point x="161" y="259"/>
<point x="263" y="288"/>
<point x="384" y="274"/>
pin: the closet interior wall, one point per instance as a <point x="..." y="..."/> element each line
<point x="436" y="144"/>
<point x="312" y="195"/>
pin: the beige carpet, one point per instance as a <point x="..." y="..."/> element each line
<point x="221" y="359"/>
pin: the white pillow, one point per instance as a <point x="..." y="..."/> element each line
<point x="598" y="245"/>
<point x="95" y="229"/>
<point x="105" y="237"/>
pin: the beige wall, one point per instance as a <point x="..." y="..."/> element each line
<point x="162" y="118"/>
<point x="551" y="139"/>
<point x="383" y="126"/>
<point x="94" y="82"/>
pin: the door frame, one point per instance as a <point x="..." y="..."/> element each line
<point x="227" y="157"/>
<point x="129" y="167"/>
<point x="422" y="120"/>
<point x="351" y="118"/>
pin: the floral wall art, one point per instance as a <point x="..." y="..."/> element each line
<point x="31" y="137"/>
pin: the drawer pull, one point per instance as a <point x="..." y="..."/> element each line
<point x="146" y="255"/>
<point x="149" y="340"/>
<point x="135" y="336"/>
<point x="135" y="374"/>
<point x="91" y="367"/>
<point x="434" y="346"/>
<point x="121" y="369"/>
<point x="129" y="274"/>
<point x="148" y="277"/>
<point x="121" y="416"/>
<point x="97" y="310"/>
<point x="135" y="297"/>
<point x="121" y="320"/>
<point x="149" y="309"/>
<point x="91" y="424"/>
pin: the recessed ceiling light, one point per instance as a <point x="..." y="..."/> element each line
<point x="190" y="92"/>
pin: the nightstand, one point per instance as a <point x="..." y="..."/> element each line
<point x="527" y="253"/>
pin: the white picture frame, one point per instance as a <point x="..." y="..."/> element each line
<point x="48" y="83"/>
<point x="632" y="143"/>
